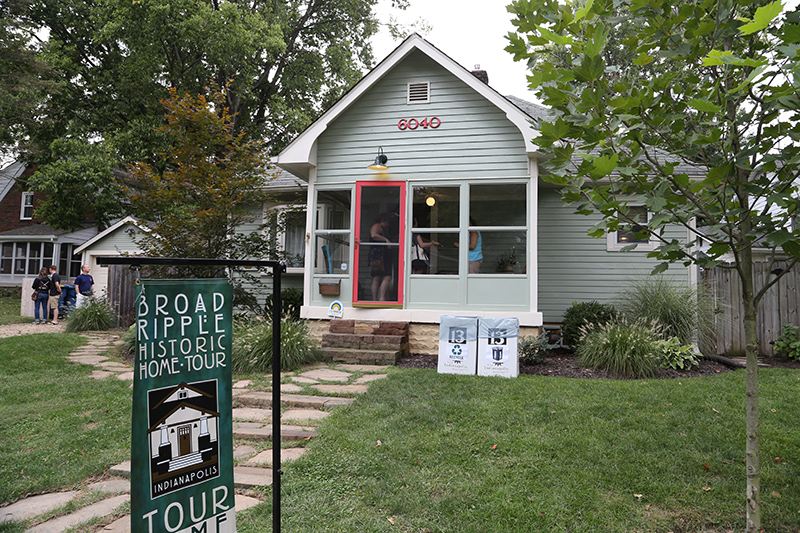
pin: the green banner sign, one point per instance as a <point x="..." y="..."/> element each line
<point x="181" y="434"/>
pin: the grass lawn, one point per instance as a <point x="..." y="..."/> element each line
<point x="424" y="452"/>
<point x="9" y="307"/>
<point x="57" y="426"/>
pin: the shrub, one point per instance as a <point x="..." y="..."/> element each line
<point x="675" y="355"/>
<point x="291" y="301"/>
<point x="621" y="347"/>
<point x="128" y="343"/>
<point x="252" y="345"/>
<point x="581" y="314"/>
<point x="788" y="344"/>
<point x="533" y="349"/>
<point x="95" y="315"/>
<point x="681" y="311"/>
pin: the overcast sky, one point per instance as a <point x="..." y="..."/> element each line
<point x="472" y="32"/>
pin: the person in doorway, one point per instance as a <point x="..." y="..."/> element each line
<point x="83" y="287"/>
<point x="420" y="261"/>
<point x="380" y="258"/>
<point x="475" y="249"/>
<point x="42" y="287"/>
<point x="55" y="292"/>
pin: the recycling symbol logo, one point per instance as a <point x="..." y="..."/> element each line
<point x="456" y="350"/>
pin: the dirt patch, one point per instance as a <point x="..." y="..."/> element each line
<point x="563" y="363"/>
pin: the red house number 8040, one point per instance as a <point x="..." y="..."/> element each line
<point x="412" y="123"/>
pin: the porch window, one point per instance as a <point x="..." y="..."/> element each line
<point x="26" y="210"/>
<point x="332" y="232"/>
<point x="499" y="214"/>
<point x="69" y="265"/>
<point x="435" y="214"/>
<point x="25" y="258"/>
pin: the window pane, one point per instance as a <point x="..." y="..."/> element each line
<point x="47" y="258"/>
<point x="333" y="209"/>
<point x="436" y="207"/>
<point x="333" y="254"/>
<point x="628" y="235"/>
<point x="295" y="237"/>
<point x="7" y="250"/>
<point x="35" y="258"/>
<point x="503" y="251"/>
<point x="498" y="204"/>
<point x="5" y="266"/>
<point x="439" y="259"/>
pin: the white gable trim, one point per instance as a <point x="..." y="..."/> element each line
<point x="300" y="155"/>
<point x="109" y="231"/>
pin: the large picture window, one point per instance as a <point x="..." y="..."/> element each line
<point x="498" y="215"/>
<point x="435" y="212"/>
<point x="25" y="258"/>
<point x="332" y="232"/>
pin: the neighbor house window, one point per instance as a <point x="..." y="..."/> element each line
<point x="23" y="258"/>
<point x="287" y="228"/>
<point x="632" y="233"/>
<point x="26" y="211"/>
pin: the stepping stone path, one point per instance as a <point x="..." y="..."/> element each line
<point x="303" y="405"/>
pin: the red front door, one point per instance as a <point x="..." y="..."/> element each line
<point x="380" y="241"/>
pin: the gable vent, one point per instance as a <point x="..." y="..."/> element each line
<point x="419" y="93"/>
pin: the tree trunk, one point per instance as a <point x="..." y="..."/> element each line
<point x="751" y="393"/>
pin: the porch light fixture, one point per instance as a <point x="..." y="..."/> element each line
<point x="380" y="161"/>
<point x="430" y="201"/>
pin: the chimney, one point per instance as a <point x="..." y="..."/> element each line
<point x="481" y="74"/>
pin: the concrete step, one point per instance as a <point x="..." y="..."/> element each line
<point x="259" y="431"/>
<point x="264" y="399"/>
<point x="368" y="357"/>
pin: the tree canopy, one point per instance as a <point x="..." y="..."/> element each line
<point x="698" y="120"/>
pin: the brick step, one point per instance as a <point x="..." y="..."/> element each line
<point x="264" y="399"/>
<point x="364" y="357"/>
<point x="364" y="341"/>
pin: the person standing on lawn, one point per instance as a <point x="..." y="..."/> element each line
<point x="83" y="287"/>
<point x="42" y="287"/>
<point x="55" y="292"/>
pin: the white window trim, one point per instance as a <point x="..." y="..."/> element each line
<point x="613" y="246"/>
<point x="26" y="195"/>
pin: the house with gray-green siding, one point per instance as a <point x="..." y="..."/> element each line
<point x="424" y="199"/>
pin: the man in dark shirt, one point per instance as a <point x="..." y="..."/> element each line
<point x="55" y="292"/>
<point x="83" y="286"/>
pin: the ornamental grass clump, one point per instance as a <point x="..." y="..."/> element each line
<point x="624" y="348"/>
<point x="681" y="311"/>
<point x="252" y="345"/>
<point x="95" y="315"/>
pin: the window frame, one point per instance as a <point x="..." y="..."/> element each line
<point x="27" y="195"/>
<point x="612" y="237"/>
<point x="280" y="234"/>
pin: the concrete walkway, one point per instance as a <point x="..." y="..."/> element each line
<point x="303" y="407"/>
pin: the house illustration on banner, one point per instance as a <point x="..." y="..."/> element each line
<point x="183" y="431"/>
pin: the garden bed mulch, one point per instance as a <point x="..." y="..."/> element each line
<point x="564" y="364"/>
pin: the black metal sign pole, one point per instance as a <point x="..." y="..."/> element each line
<point x="277" y="268"/>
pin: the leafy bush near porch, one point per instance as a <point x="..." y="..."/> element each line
<point x="581" y="314"/>
<point x="788" y="344"/>
<point x="675" y="355"/>
<point x="681" y="311"/>
<point x="95" y="315"/>
<point x="291" y="301"/>
<point x="533" y="349"/>
<point x="252" y="345"/>
<point x="624" y="348"/>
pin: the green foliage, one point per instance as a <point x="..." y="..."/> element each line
<point x="681" y="311"/>
<point x="581" y="314"/>
<point x="81" y="172"/>
<point x="94" y="315"/>
<point x="533" y="349"/>
<point x="788" y="344"/>
<point x="624" y="348"/>
<point x="675" y="355"/>
<point x="128" y="342"/>
<point x="252" y="345"/>
<point x="291" y="302"/>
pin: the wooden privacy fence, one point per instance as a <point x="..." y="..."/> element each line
<point x="777" y="308"/>
<point x="122" y="292"/>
